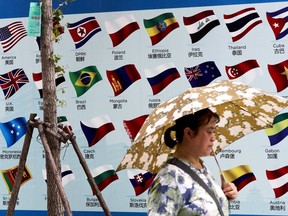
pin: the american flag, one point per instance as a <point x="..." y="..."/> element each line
<point x="11" y="34"/>
<point x="12" y="81"/>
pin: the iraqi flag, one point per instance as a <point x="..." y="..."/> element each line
<point x="95" y="129"/>
<point x="83" y="30"/>
<point x="245" y="72"/>
<point x="103" y="176"/>
<point x="278" y="22"/>
<point x="121" y="78"/>
<point x="240" y="176"/>
<point x="160" y="26"/>
<point x="132" y="126"/>
<point x="279" y="131"/>
<point x="120" y="28"/>
<point x="140" y="180"/>
<point x="279" y="74"/>
<point x="200" y="24"/>
<point x="161" y="76"/>
<point x="278" y="180"/>
<point x="241" y="22"/>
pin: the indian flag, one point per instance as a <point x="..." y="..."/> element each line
<point x="103" y="176"/>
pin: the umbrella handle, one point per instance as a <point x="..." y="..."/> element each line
<point x="222" y="176"/>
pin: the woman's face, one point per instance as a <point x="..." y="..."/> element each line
<point x="202" y="142"/>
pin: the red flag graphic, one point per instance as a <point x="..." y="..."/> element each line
<point x="279" y="74"/>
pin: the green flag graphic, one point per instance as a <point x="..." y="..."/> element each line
<point x="84" y="79"/>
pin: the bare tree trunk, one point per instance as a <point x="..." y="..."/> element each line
<point x="54" y="205"/>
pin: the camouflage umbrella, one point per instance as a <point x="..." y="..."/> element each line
<point x="242" y="110"/>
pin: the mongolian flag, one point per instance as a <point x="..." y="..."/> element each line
<point x="277" y="21"/>
<point x="140" y="180"/>
<point x="121" y="78"/>
<point x="202" y="74"/>
<point x="279" y="130"/>
<point x="278" y="180"/>
<point x="13" y="130"/>
<point x="11" y="34"/>
<point x="240" y="176"/>
<point x="245" y="72"/>
<point x="12" y="81"/>
<point x="103" y="176"/>
<point x="83" y="30"/>
<point x="161" y="76"/>
<point x="133" y="126"/>
<point x="241" y="22"/>
<point x="200" y="24"/>
<point x="37" y="78"/>
<point x="96" y="128"/>
<point x="121" y="28"/>
<point x="10" y="175"/>
<point x="84" y="79"/>
<point x="159" y="27"/>
<point x="279" y="74"/>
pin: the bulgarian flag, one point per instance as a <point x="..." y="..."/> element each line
<point x="103" y="176"/>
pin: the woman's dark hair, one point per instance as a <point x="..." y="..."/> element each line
<point x="193" y="121"/>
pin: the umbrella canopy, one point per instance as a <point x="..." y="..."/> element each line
<point x="242" y="110"/>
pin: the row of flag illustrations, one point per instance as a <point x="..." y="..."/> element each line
<point x="158" y="77"/>
<point x="98" y="127"/>
<point x="104" y="175"/>
<point x="198" y="25"/>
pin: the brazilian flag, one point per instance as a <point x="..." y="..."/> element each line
<point x="84" y="79"/>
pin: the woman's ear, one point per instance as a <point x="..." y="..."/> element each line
<point x="188" y="132"/>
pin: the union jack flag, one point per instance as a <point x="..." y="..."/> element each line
<point x="12" y="81"/>
<point x="193" y="73"/>
<point x="202" y="74"/>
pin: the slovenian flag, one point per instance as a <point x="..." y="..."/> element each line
<point x="120" y="28"/>
<point x="279" y="130"/>
<point x="96" y="128"/>
<point x="161" y="76"/>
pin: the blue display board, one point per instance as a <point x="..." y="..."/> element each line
<point x="119" y="65"/>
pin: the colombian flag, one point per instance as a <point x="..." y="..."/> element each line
<point x="240" y="176"/>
